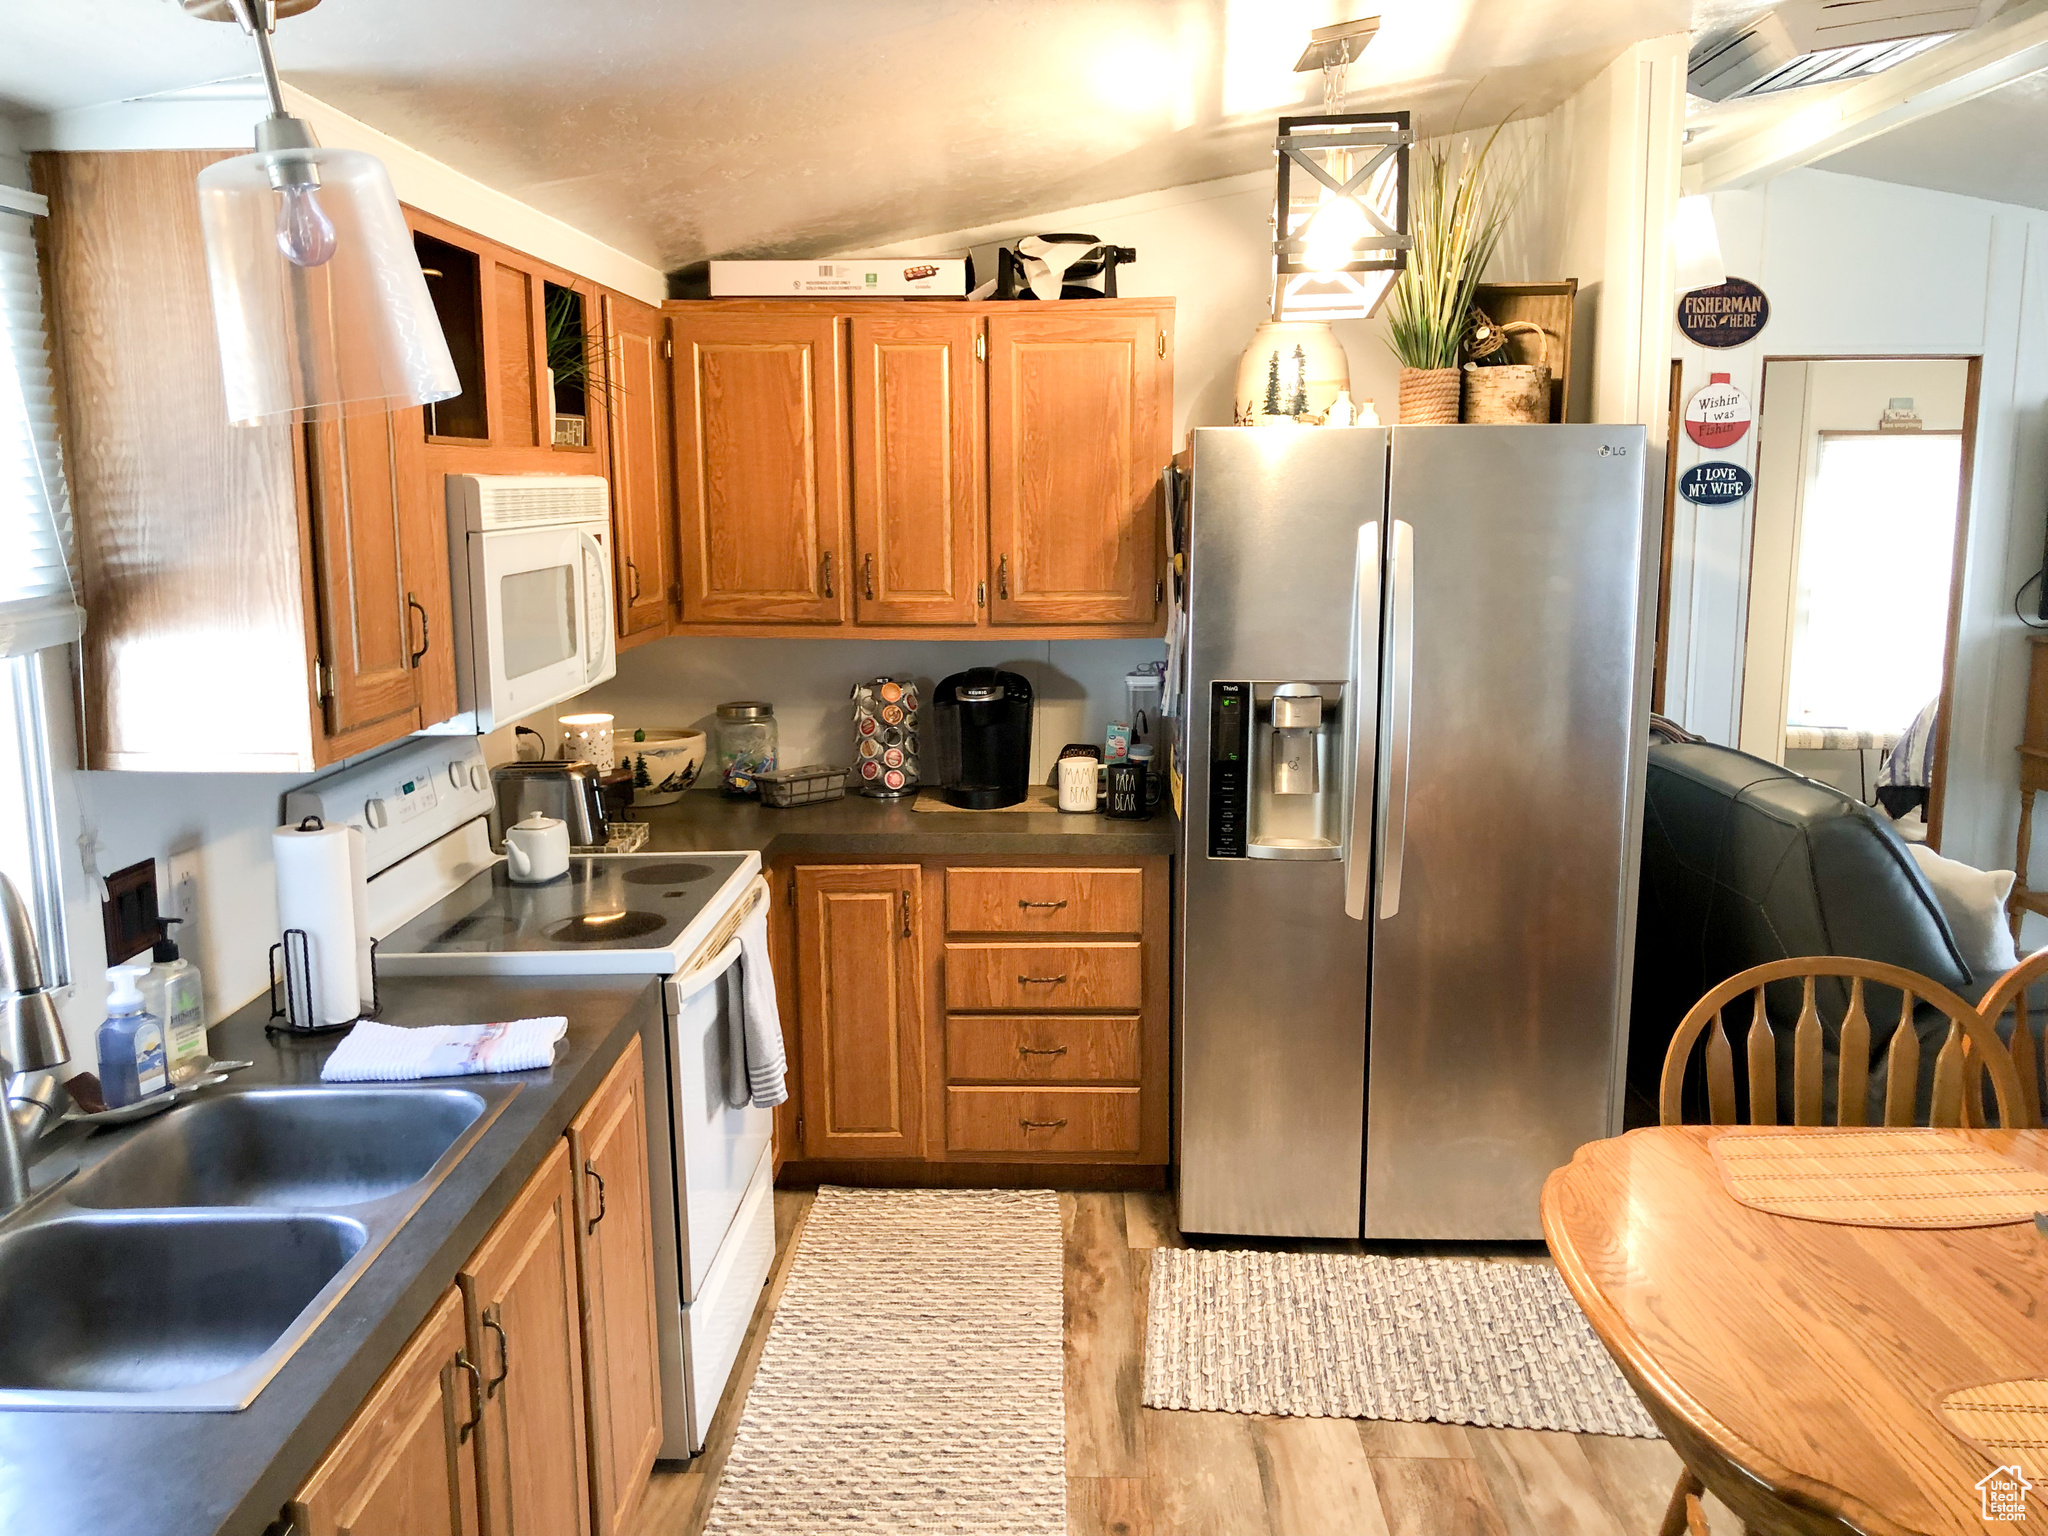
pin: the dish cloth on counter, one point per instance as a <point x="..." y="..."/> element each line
<point x="761" y="1026"/>
<point x="386" y="1053"/>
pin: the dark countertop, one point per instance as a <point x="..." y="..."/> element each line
<point x="229" y="1474"/>
<point x="857" y="827"/>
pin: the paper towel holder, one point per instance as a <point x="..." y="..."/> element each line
<point x="297" y="1008"/>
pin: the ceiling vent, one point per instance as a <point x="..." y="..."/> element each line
<point x="1813" y="42"/>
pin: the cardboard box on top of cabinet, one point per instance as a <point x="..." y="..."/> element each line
<point x="891" y="278"/>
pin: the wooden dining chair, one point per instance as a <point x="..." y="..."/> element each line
<point x="2009" y="995"/>
<point x="1971" y="1048"/>
<point x="1970" y="1035"/>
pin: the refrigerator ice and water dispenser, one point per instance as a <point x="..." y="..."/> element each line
<point x="1275" y="777"/>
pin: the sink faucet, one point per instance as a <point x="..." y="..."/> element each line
<point x="31" y="1039"/>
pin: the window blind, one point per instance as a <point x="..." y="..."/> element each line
<point x="38" y="602"/>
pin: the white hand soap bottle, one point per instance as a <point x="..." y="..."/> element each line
<point x="171" y="992"/>
<point x="131" y="1042"/>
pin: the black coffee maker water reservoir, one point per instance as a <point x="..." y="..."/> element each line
<point x="983" y="739"/>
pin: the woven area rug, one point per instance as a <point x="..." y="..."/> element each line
<point x="912" y="1380"/>
<point x="1351" y="1336"/>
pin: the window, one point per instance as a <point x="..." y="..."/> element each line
<point x="38" y="610"/>
<point x="1876" y="550"/>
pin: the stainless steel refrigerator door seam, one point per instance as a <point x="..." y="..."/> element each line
<point x="1360" y="687"/>
<point x="1400" y="714"/>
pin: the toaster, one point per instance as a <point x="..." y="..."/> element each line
<point x="569" y="792"/>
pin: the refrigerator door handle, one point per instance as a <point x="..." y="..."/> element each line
<point x="1362" y="699"/>
<point x="1400" y="711"/>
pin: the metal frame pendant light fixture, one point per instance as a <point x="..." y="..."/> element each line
<point x="318" y="299"/>
<point x="1340" y="209"/>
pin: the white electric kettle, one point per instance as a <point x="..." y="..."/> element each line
<point x="537" y="849"/>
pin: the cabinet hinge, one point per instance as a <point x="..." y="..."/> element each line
<point x="323" y="682"/>
<point x="668" y="347"/>
<point x="981" y="349"/>
<point x="1162" y="343"/>
<point x="981" y="594"/>
<point x="792" y="887"/>
<point x="1158" y="593"/>
<point x="799" y="1130"/>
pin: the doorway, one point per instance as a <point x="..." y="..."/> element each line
<point x="1862" y="511"/>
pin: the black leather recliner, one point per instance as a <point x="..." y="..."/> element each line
<point x="1744" y="862"/>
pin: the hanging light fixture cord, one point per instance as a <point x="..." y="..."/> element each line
<point x="260" y="30"/>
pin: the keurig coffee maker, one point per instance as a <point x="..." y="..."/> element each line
<point x="982" y="748"/>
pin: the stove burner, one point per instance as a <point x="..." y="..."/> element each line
<point x="604" y="928"/>
<point x="667" y="874"/>
<point x="477" y="927"/>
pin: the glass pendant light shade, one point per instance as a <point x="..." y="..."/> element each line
<point x="318" y="297"/>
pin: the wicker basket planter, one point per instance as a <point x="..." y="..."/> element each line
<point x="1429" y="395"/>
<point x="1511" y="394"/>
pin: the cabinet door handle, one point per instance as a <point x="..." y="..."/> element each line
<point x="476" y="1395"/>
<point x="590" y="1172"/>
<point x="906" y="912"/>
<point x="1043" y="981"/>
<point x="1041" y="1125"/>
<point x="1003" y="577"/>
<point x="867" y="575"/>
<point x="413" y="606"/>
<point x="825" y="571"/>
<point x="1041" y="1050"/>
<point x="1054" y="905"/>
<point x="504" y="1352"/>
<point x="632" y="581"/>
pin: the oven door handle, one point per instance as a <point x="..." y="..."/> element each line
<point x="686" y="986"/>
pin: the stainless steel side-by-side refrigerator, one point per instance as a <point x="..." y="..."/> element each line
<point x="1415" y="677"/>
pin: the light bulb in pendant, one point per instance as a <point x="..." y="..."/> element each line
<point x="1333" y="235"/>
<point x="304" y="232"/>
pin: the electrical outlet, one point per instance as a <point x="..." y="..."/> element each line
<point x="183" y="899"/>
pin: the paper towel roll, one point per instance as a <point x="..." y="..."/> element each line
<point x="316" y="892"/>
<point x="359" y="882"/>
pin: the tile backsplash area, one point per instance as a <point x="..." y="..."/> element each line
<point x="1079" y="685"/>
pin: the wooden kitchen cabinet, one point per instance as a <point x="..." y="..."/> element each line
<point x="860" y="1010"/>
<point x="637" y="399"/>
<point x="920" y="502"/>
<point x="1042" y="1018"/>
<point x="1075" y="447"/>
<point x="404" y="1463"/>
<point x="760" y="465"/>
<point x="288" y="584"/>
<point x="525" y="1335"/>
<point x="615" y="1255"/>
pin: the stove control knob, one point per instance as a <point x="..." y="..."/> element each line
<point x="476" y="777"/>
<point x="456" y="775"/>
<point x="375" y="813"/>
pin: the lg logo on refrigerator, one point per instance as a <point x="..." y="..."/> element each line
<point x="1611" y="451"/>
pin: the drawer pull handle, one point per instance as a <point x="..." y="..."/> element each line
<point x="1041" y="1050"/>
<point x="1043" y="981"/>
<point x="1053" y="905"/>
<point x="1041" y="1125"/>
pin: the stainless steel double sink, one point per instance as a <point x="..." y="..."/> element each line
<point x="180" y="1270"/>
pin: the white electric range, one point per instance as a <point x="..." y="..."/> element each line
<point x="441" y="903"/>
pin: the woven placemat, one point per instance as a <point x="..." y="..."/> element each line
<point x="2001" y="1417"/>
<point x="1877" y="1178"/>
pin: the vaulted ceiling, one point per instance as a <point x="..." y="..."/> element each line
<point x="680" y="129"/>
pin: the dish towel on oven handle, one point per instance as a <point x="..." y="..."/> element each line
<point x="386" y="1053"/>
<point x="761" y="1021"/>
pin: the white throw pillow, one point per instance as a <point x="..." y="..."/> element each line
<point x="1973" y="901"/>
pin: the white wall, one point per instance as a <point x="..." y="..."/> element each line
<point x="1857" y="267"/>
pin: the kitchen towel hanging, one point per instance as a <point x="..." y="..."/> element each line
<point x="761" y="1028"/>
<point x="318" y="893"/>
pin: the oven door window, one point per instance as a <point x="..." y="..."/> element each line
<point x="537" y="609"/>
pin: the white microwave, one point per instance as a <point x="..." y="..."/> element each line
<point x="531" y="576"/>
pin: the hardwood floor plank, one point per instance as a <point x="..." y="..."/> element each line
<point x="1542" y="1483"/>
<point x="1108" y="1506"/>
<point x="1104" y="1340"/>
<point x="1203" y="1475"/>
<point x="1391" y="1437"/>
<point x="1636" y="1478"/>
<point x="1437" y="1496"/>
<point x="1318" y="1480"/>
<point x="1149" y="1219"/>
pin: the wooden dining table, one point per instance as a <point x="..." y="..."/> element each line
<point x="1798" y="1366"/>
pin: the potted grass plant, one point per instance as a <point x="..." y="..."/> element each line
<point x="1458" y="207"/>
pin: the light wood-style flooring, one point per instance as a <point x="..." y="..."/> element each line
<point x="1136" y="1471"/>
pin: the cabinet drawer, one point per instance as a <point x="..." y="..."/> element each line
<point x="1044" y="900"/>
<point x="994" y="1048"/>
<point x="1032" y="1120"/>
<point x="1045" y="978"/>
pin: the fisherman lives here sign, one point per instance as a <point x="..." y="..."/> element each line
<point x="1726" y="315"/>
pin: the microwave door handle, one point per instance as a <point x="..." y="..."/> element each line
<point x="596" y="563"/>
<point x="1362" y="700"/>
<point x="1400" y="716"/>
